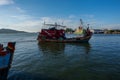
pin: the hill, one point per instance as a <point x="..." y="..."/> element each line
<point x="11" y="31"/>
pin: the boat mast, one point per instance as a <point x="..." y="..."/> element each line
<point x="88" y="25"/>
<point x="81" y="23"/>
<point x="56" y="25"/>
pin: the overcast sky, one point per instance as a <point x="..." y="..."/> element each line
<point x="29" y="15"/>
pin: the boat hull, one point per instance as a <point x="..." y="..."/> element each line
<point x="6" y="57"/>
<point x="67" y="40"/>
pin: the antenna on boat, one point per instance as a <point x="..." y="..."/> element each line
<point x="81" y="22"/>
<point x="62" y="22"/>
<point x="56" y="24"/>
<point x="44" y="23"/>
<point x="88" y="25"/>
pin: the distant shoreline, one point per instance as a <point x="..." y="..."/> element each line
<point x="10" y="31"/>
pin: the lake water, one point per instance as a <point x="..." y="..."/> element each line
<point x="97" y="60"/>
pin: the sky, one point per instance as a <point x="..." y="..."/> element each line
<point x="29" y="15"/>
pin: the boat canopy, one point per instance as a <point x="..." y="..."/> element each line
<point x="53" y="26"/>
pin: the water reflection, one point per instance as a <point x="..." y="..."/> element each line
<point x="85" y="46"/>
<point x="58" y="48"/>
<point x="53" y="48"/>
<point x="29" y="76"/>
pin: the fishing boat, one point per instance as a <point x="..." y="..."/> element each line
<point x="6" y="57"/>
<point x="56" y="33"/>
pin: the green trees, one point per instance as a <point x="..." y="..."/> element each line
<point x="69" y="30"/>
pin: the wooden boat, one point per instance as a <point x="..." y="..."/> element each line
<point x="67" y="40"/>
<point x="6" y="57"/>
<point x="58" y="35"/>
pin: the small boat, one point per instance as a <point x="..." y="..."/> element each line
<point x="6" y="57"/>
<point x="56" y="34"/>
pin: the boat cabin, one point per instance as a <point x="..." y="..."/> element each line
<point x="54" y="31"/>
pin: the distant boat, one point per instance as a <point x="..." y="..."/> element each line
<point x="56" y="33"/>
<point x="6" y="57"/>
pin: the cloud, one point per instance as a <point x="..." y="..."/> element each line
<point x="20" y="10"/>
<point x="112" y="26"/>
<point x="21" y="17"/>
<point x="72" y="16"/>
<point x="6" y="2"/>
<point x="88" y="16"/>
<point x="31" y="25"/>
<point x="63" y="21"/>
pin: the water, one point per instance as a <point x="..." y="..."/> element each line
<point x="97" y="60"/>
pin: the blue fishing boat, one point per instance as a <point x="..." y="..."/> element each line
<point x="6" y="57"/>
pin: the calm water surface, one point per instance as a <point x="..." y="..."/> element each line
<point x="97" y="60"/>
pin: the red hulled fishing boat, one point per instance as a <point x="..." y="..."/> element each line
<point x="56" y="33"/>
